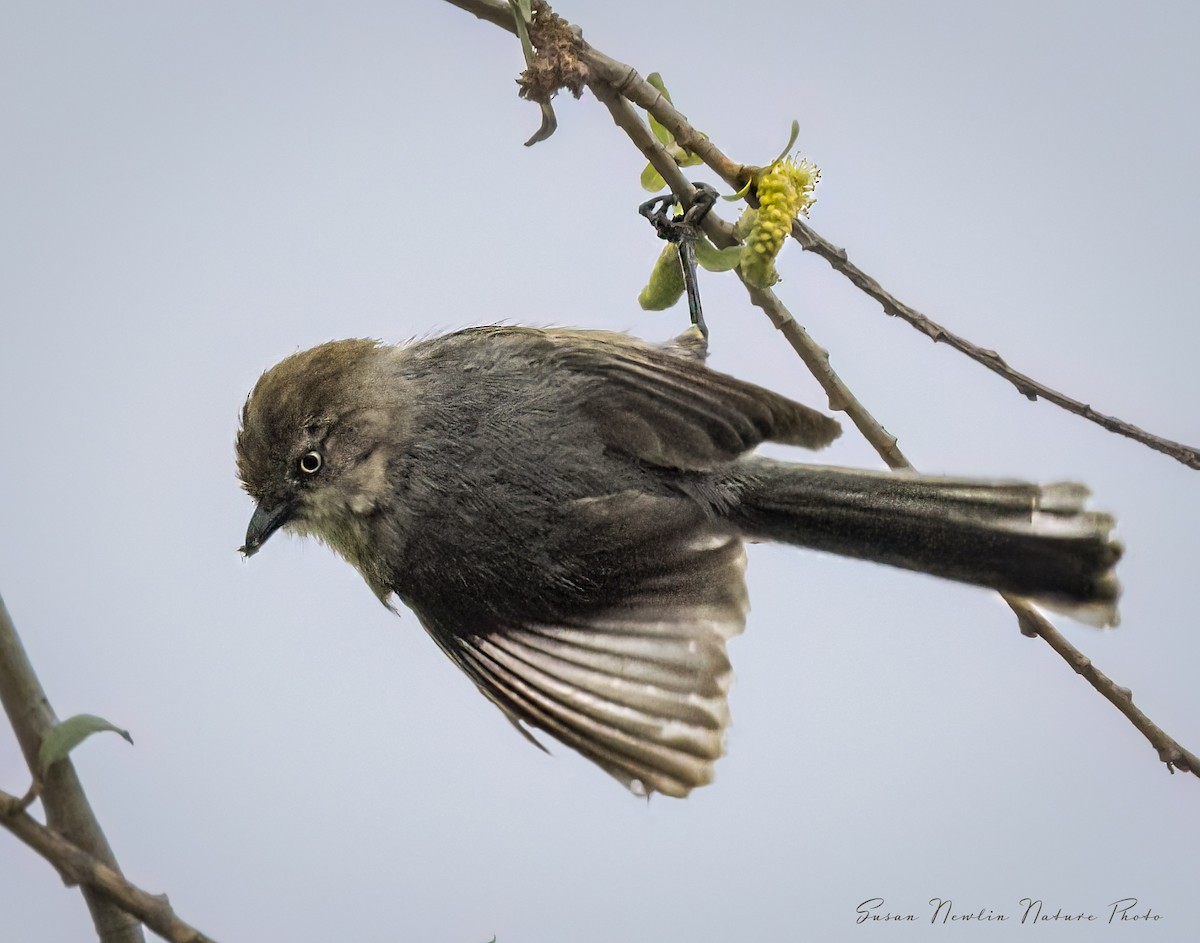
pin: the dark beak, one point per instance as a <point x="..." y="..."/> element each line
<point x="268" y="517"/>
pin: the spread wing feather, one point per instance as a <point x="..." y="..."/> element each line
<point x="639" y="685"/>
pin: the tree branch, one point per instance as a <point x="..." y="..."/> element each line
<point x="1169" y="751"/>
<point x="67" y="809"/>
<point x="1025" y="385"/>
<point x="78" y="867"/>
<point x="616" y="85"/>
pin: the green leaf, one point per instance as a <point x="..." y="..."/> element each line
<point x="791" y="142"/>
<point x="712" y="259"/>
<point x="652" y="180"/>
<point x="68" y="734"/>
<point x="664" y="136"/>
<point x="741" y="194"/>
<point x="548" y="127"/>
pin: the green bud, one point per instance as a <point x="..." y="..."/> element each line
<point x="666" y="281"/>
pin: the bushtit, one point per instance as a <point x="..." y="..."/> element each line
<point x="565" y="512"/>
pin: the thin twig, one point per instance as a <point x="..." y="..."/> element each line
<point x="625" y="80"/>
<point x="616" y="85"/>
<point x="1025" y="385"/>
<point x="77" y="866"/>
<point x="68" y="812"/>
<point x="1169" y="751"/>
<point x="816" y="358"/>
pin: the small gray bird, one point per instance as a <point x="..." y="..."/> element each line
<point x="565" y="512"/>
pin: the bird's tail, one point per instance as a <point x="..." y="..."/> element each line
<point x="1036" y="541"/>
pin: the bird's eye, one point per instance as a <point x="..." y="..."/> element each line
<point x="310" y="463"/>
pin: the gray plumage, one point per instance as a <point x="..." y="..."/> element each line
<point x="565" y="512"/>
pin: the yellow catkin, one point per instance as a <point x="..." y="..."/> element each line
<point x="785" y="190"/>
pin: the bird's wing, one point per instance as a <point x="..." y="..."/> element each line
<point x="637" y="683"/>
<point x="662" y="405"/>
<point x="671" y="410"/>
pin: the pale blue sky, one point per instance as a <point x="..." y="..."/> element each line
<point x="191" y="192"/>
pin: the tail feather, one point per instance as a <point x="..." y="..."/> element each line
<point x="1037" y="541"/>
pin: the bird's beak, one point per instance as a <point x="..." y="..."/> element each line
<point x="268" y="517"/>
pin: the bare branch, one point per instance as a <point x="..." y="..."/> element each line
<point x="1025" y="385"/>
<point x="1169" y="751"/>
<point x="816" y="358"/>
<point x="625" y="81"/>
<point x="78" y="867"/>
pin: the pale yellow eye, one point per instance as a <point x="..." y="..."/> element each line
<point x="310" y="463"/>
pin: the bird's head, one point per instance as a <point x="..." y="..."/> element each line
<point x="316" y="435"/>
